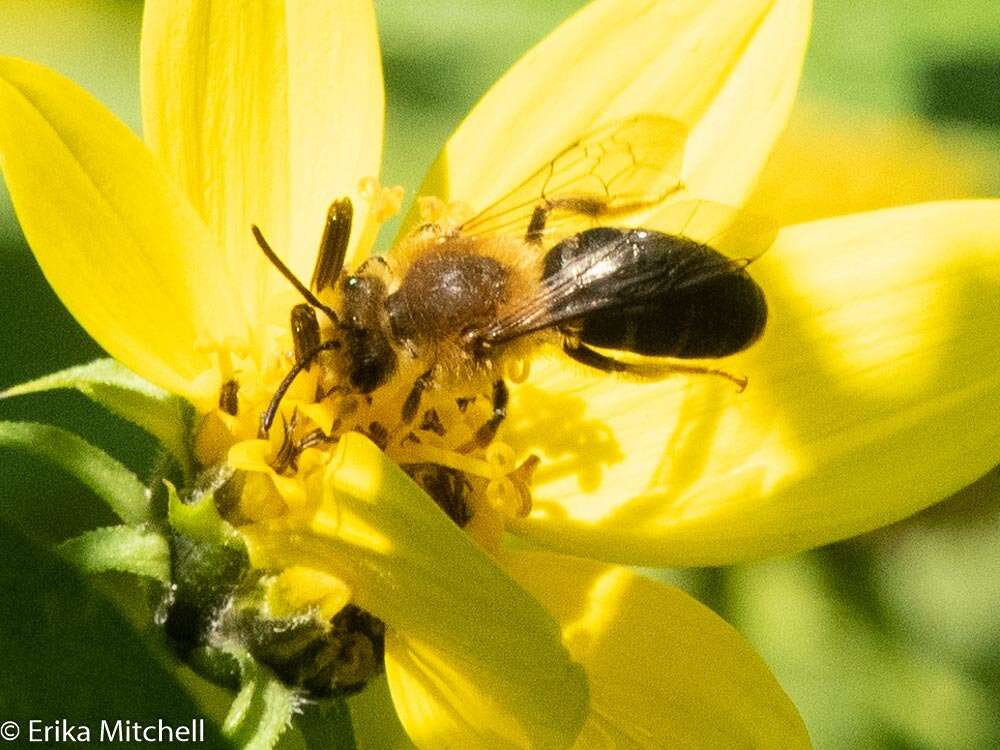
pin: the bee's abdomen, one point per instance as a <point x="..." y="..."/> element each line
<point x="715" y="318"/>
<point x="659" y="295"/>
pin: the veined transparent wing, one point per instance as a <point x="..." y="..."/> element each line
<point x="609" y="276"/>
<point x="622" y="168"/>
<point x="735" y="233"/>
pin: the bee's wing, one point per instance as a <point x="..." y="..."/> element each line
<point x="731" y="231"/>
<point x="617" y="170"/>
<point x="570" y="292"/>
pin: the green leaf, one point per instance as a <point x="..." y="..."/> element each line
<point x="109" y="479"/>
<point x="163" y="415"/>
<point x="262" y="710"/>
<point x="200" y="519"/>
<point x="69" y="654"/>
<point x="128" y="549"/>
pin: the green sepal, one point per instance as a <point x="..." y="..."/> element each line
<point x="262" y="710"/>
<point x="105" y="476"/>
<point x="69" y="654"/>
<point x="163" y="415"/>
<point x="217" y="665"/>
<point x="127" y="549"/>
<point x="208" y="562"/>
<point x="199" y="519"/>
<point x="326" y="725"/>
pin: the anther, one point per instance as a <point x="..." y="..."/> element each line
<point x="229" y="397"/>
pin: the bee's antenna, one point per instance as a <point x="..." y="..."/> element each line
<point x="311" y="298"/>
<point x="267" y="417"/>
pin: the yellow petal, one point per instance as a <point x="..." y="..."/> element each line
<point x="867" y="162"/>
<point x="336" y="106"/>
<point x="473" y="661"/>
<point x="873" y="393"/>
<point x="299" y="589"/>
<point x="264" y="113"/>
<point x="727" y="71"/>
<point x="119" y="244"/>
<point x="664" y="670"/>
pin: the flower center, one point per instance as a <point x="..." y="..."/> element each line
<point x="278" y="420"/>
<point x="439" y="445"/>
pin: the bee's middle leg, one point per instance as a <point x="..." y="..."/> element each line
<point x="580" y="205"/>
<point x="592" y="206"/>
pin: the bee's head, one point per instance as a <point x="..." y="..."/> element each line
<point x="363" y="300"/>
<point x="371" y="359"/>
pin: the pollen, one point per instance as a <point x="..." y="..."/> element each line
<point x="383" y="202"/>
<point x="439" y="446"/>
<point x="436" y="212"/>
<point x="517" y="369"/>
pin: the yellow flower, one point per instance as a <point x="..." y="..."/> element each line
<point x="867" y="161"/>
<point x="867" y="391"/>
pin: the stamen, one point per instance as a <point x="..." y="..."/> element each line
<point x="448" y="216"/>
<point x="225" y="363"/>
<point x="432" y="209"/>
<point x="517" y="370"/>
<point x="229" y="397"/>
<point x="521" y="479"/>
<point x="383" y="202"/>
<point x="423" y="453"/>
<point x="509" y="497"/>
<point x="500" y="455"/>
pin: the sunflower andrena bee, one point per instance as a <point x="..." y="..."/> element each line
<point x="552" y="261"/>
<point x="415" y="348"/>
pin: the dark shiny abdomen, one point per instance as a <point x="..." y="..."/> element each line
<point x="705" y="306"/>
<point x="714" y="318"/>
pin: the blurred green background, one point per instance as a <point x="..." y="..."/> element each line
<point x="887" y="641"/>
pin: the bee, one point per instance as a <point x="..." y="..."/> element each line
<point x="555" y="260"/>
<point x="551" y="261"/>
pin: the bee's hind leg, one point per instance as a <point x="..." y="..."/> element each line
<point x="591" y="358"/>
<point x="488" y="430"/>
